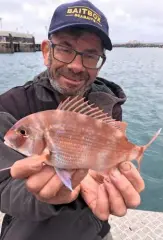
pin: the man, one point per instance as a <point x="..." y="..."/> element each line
<point x="36" y="203"/>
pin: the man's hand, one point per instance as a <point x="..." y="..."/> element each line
<point x="42" y="181"/>
<point x="115" y="193"/>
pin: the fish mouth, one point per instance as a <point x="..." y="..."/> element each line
<point x="10" y="145"/>
<point x="7" y="143"/>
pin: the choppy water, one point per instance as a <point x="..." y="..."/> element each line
<point x="140" y="73"/>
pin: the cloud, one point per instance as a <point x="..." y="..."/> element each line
<point x="128" y="19"/>
<point x="27" y="7"/>
<point x="11" y="18"/>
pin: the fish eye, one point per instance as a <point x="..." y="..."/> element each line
<point x="22" y="132"/>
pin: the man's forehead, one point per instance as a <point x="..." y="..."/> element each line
<point x="83" y="36"/>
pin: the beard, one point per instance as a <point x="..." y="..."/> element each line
<point x="68" y="73"/>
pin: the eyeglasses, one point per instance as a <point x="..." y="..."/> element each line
<point x="67" y="55"/>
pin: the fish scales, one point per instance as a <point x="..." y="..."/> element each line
<point x="76" y="133"/>
<point x="90" y="136"/>
<point x="67" y="138"/>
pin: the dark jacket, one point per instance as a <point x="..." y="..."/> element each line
<point x="27" y="218"/>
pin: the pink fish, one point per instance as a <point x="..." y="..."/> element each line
<point x="78" y="136"/>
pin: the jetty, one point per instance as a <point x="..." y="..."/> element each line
<point x="11" y="42"/>
<point x="138" y="45"/>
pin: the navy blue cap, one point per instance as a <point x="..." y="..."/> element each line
<point x="81" y="14"/>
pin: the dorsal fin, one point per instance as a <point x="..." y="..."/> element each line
<point x="77" y="104"/>
<point x="119" y="125"/>
<point x="63" y="104"/>
<point x="122" y="126"/>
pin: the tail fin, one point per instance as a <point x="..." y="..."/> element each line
<point x="144" y="148"/>
<point x="153" y="139"/>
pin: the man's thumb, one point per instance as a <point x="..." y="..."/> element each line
<point x="28" y="166"/>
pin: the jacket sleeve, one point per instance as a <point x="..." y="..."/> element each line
<point x="15" y="200"/>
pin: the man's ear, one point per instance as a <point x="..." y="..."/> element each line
<point x="45" y="48"/>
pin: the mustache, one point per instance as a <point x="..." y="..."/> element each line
<point x="68" y="73"/>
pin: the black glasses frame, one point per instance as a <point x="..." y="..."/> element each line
<point x="53" y="45"/>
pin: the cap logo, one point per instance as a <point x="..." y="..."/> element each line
<point x="85" y="13"/>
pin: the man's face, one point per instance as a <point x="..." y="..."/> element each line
<point x="73" y="78"/>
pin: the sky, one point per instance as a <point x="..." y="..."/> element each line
<point x="140" y="20"/>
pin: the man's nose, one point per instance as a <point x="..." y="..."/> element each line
<point x="76" y="65"/>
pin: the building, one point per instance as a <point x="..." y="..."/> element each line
<point x="11" y="42"/>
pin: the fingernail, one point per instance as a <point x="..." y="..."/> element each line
<point x="125" y="166"/>
<point x="115" y="173"/>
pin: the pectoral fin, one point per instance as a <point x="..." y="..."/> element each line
<point x="65" y="177"/>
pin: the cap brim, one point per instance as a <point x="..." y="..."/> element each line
<point x="104" y="37"/>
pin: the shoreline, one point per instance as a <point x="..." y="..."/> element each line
<point x="138" y="45"/>
<point x="6" y="47"/>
